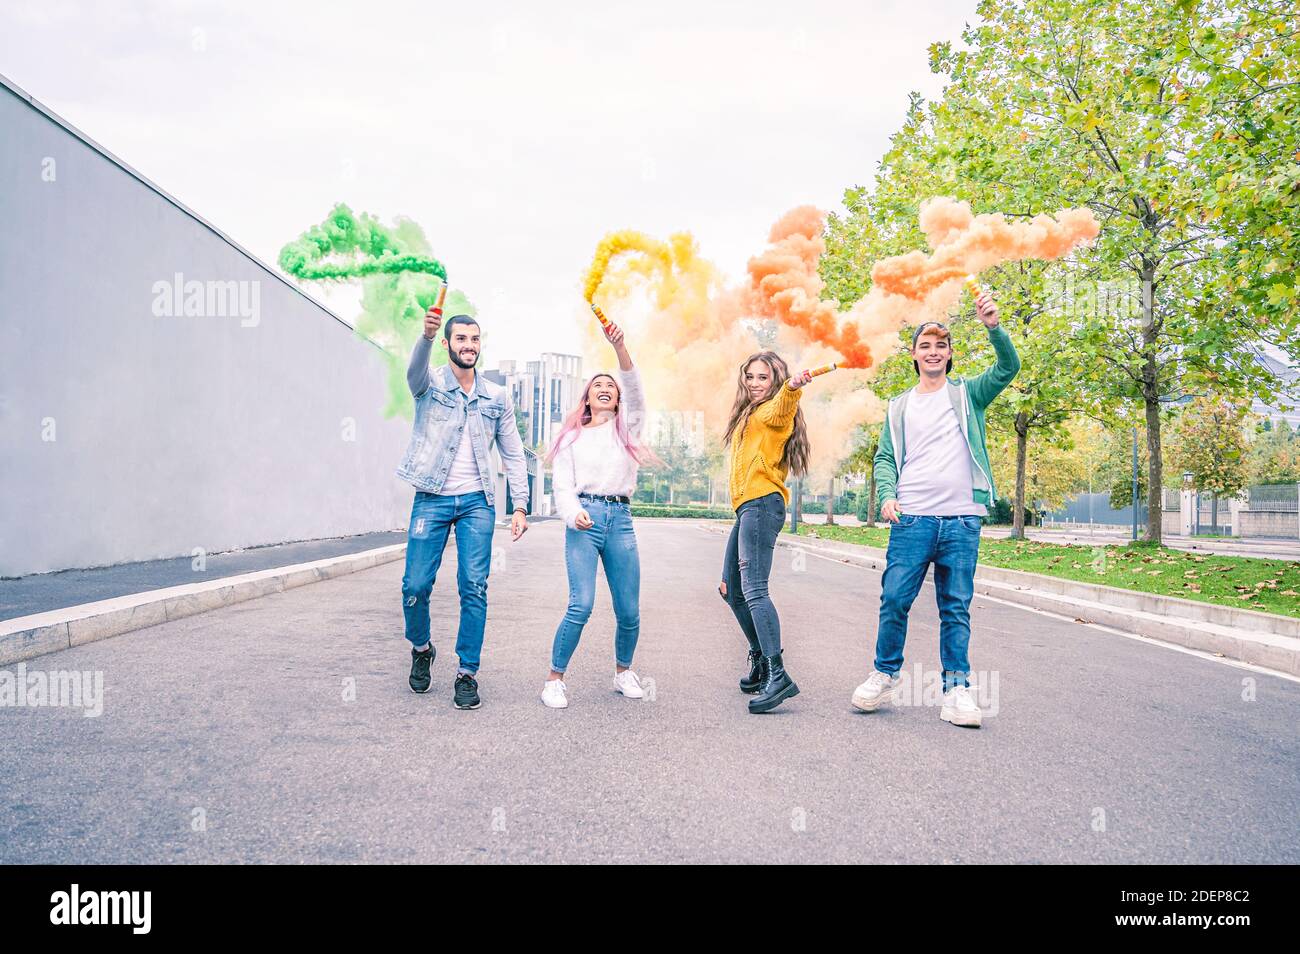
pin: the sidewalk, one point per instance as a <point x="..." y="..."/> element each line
<point x="43" y="592"/>
<point x="1263" y="548"/>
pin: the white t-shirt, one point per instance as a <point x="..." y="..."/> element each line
<point x="935" y="479"/>
<point x="463" y="476"/>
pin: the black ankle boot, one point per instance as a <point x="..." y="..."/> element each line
<point x="777" y="686"/>
<point x="753" y="680"/>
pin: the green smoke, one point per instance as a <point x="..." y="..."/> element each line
<point x="399" y="280"/>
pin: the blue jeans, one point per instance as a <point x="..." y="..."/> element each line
<point x="746" y="567"/>
<point x="611" y="540"/>
<point x="952" y="545"/>
<point x="432" y="517"/>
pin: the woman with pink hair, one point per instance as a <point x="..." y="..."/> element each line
<point x="595" y="461"/>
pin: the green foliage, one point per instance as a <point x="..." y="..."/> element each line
<point x="1274" y="456"/>
<point x="1210" y="444"/>
<point x="1176" y="124"/>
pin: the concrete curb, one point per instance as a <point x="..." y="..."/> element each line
<point x="1261" y="639"/>
<point x="25" y="637"/>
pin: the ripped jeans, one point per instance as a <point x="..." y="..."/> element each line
<point x="432" y="517"/>
<point x="747" y="566"/>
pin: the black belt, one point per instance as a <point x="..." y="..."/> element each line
<point x="608" y="498"/>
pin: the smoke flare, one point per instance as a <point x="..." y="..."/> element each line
<point x="399" y="279"/>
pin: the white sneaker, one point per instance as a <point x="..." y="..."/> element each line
<point x="553" y="694"/>
<point x="627" y="683"/>
<point x="879" y="689"/>
<point x="959" y="708"/>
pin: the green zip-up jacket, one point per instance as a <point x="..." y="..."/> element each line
<point x="969" y="399"/>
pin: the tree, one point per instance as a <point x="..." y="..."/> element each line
<point x="1170" y="121"/>
<point x="862" y="462"/>
<point x="1274" y="455"/>
<point x="1057" y="470"/>
<point x="934" y="154"/>
<point x="1211" y="446"/>
<point x="1115" y="468"/>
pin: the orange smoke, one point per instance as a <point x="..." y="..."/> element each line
<point x="966" y="244"/>
<point x="785" y="285"/>
<point x="906" y="289"/>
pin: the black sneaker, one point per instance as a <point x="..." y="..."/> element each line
<point x="466" y="692"/>
<point x="420" y="662"/>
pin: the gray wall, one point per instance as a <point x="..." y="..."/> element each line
<point x="171" y="432"/>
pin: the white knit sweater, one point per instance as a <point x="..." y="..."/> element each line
<point x="595" y="463"/>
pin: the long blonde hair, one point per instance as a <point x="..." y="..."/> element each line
<point x="797" y="448"/>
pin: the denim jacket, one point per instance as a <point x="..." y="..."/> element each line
<point x="443" y="411"/>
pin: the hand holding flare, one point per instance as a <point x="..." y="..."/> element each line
<point x="803" y="377"/>
<point x="433" y="317"/>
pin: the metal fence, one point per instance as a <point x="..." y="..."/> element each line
<point x="1274" y="498"/>
<point x="1096" y="509"/>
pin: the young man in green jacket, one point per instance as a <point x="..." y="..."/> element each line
<point x="934" y="483"/>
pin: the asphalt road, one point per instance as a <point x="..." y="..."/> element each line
<point x="232" y="737"/>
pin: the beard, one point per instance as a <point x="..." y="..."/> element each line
<point x="456" y="360"/>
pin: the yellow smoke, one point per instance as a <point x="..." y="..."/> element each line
<point x="688" y="334"/>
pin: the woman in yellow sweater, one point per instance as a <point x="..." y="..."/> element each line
<point x="768" y="440"/>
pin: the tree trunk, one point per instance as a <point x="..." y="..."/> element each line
<point x="1018" y="505"/>
<point x="871" y="500"/>
<point x="1151" y="398"/>
<point x="830" y="504"/>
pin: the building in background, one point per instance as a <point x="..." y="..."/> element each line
<point x="1287" y="405"/>
<point x="544" y="391"/>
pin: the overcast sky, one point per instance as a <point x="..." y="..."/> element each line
<point x="516" y="134"/>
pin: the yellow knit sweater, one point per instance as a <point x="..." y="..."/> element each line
<point x="756" y="453"/>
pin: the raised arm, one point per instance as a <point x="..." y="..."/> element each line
<point x="985" y="387"/>
<point x="779" y="411"/>
<point x="417" y="373"/>
<point x="633" y="401"/>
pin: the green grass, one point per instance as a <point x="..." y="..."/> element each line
<point x="1271" y="586"/>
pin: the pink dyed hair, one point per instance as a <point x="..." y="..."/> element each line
<point x="581" y="415"/>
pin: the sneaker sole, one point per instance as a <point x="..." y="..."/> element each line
<point x="966" y="722"/>
<point x="768" y="707"/>
<point x="474" y="706"/>
<point x="865" y="705"/>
